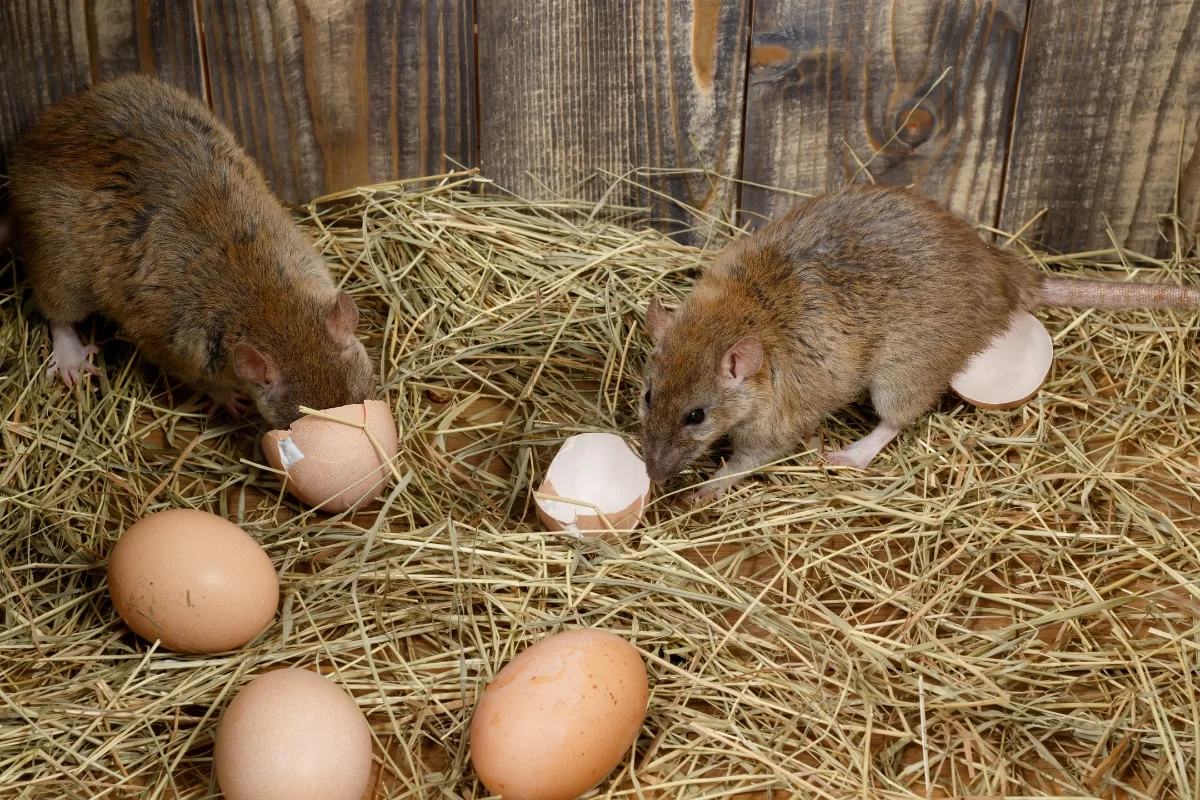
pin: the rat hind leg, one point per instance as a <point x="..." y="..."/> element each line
<point x="899" y="404"/>
<point x="69" y="359"/>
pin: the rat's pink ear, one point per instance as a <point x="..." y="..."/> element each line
<point x="342" y="321"/>
<point x="658" y="319"/>
<point x="253" y="367"/>
<point x="742" y="360"/>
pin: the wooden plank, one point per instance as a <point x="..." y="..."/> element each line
<point x="573" y="86"/>
<point x="158" y="37"/>
<point x="832" y="82"/>
<point x="1107" y="89"/>
<point x="331" y="94"/>
<point x="44" y="58"/>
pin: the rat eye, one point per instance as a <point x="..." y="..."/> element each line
<point x="694" y="417"/>
<point x="646" y="397"/>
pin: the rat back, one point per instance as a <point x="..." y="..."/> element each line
<point x="881" y="283"/>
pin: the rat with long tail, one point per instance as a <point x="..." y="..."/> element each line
<point x="866" y="291"/>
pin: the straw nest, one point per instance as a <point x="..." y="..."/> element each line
<point x="1006" y="604"/>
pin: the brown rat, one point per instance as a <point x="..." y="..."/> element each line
<point x="133" y="201"/>
<point x="869" y="290"/>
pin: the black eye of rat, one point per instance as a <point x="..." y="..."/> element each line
<point x="647" y="397"/>
<point x="694" y="417"/>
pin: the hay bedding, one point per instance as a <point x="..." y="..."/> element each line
<point x="1007" y="604"/>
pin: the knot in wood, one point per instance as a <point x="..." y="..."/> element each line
<point x="915" y="125"/>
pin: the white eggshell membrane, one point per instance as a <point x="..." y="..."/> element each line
<point x="600" y="470"/>
<point x="1012" y="369"/>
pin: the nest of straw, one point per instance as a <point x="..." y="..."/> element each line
<point x="1006" y="604"/>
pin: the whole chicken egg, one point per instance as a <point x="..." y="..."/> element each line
<point x="558" y="717"/>
<point x="292" y="734"/>
<point x="336" y="465"/>
<point x="194" y="581"/>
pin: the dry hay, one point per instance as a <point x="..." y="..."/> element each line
<point x="1006" y="604"/>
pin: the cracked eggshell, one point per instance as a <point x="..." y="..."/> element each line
<point x="292" y="734"/>
<point x="331" y="465"/>
<point x="558" y="718"/>
<point x="1011" y="370"/>
<point x="598" y="469"/>
<point x="195" y="581"/>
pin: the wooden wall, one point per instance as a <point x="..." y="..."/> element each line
<point x="1089" y="109"/>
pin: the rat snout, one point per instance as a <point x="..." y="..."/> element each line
<point x="660" y="465"/>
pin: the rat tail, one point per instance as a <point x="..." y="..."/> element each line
<point x="1068" y="292"/>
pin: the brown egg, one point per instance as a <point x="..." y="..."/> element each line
<point x="600" y="473"/>
<point x="557" y="719"/>
<point x="1011" y="370"/>
<point x="291" y="734"/>
<point x="193" y="580"/>
<point x="336" y="466"/>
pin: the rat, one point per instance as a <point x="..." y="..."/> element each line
<point x="865" y="291"/>
<point x="133" y="201"/>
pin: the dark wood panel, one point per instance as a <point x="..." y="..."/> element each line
<point x="43" y="58"/>
<point x="1107" y="89"/>
<point x="572" y="86"/>
<point x="331" y="94"/>
<point x="833" y="83"/>
<point x="158" y="37"/>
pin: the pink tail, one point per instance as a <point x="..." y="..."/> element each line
<point x="1110" y="294"/>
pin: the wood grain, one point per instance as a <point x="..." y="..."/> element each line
<point x="570" y="87"/>
<point x="158" y="37"/>
<point x="1110" y="93"/>
<point x="834" y="81"/>
<point x="332" y="94"/>
<point x="43" y="58"/>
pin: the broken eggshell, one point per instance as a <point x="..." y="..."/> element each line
<point x="1011" y="370"/>
<point x="600" y="473"/>
<point x="333" y="465"/>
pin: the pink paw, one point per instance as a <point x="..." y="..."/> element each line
<point x="69" y="360"/>
<point x="847" y="458"/>
<point x="235" y="404"/>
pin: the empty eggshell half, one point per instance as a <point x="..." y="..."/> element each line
<point x="600" y="473"/>
<point x="1011" y="370"/>
<point x="333" y="465"/>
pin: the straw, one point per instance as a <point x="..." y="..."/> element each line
<point x="1005" y="604"/>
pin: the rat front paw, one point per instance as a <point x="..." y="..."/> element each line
<point x="235" y="404"/>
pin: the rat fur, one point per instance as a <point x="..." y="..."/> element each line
<point x="133" y="201"/>
<point x="868" y="290"/>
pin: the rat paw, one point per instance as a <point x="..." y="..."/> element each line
<point x="235" y="404"/>
<point x="69" y="361"/>
<point x="847" y="458"/>
<point x="706" y="493"/>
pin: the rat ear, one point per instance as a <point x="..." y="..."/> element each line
<point x="253" y="367"/>
<point x="342" y="321"/>
<point x="742" y="360"/>
<point x="658" y="319"/>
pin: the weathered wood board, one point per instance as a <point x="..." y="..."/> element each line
<point x="49" y="49"/>
<point x="158" y="37"/>
<point x="833" y="83"/>
<point x="1109" y="100"/>
<point x="570" y="87"/>
<point x="43" y="58"/>
<point x="332" y="94"/>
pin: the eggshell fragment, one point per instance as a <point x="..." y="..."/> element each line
<point x="558" y="717"/>
<point x="1011" y="370"/>
<point x="600" y="472"/>
<point x="291" y="734"/>
<point x="194" y="581"/>
<point x="332" y="465"/>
